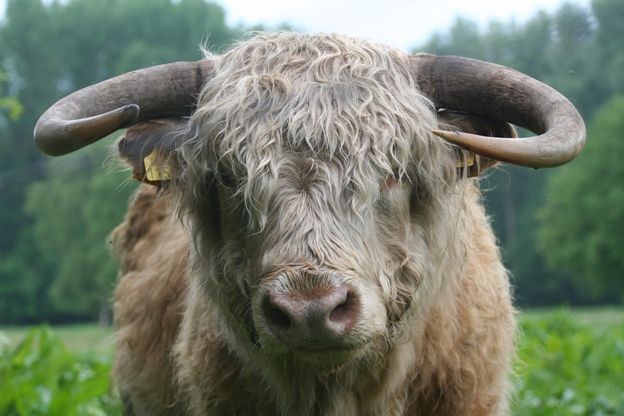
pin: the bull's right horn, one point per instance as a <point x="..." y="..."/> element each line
<point x="89" y="114"/>
<point x="504" y="94"/>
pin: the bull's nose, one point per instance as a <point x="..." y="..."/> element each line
<point x="320" y="316"/>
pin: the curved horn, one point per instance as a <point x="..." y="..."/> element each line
<point x="93" y="112"/>
<point x="499" y="92"/>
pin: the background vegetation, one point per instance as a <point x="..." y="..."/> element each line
<point x="546" y="219"/>
<point x="55" y="214"/>
<point x="558" y="228"/>
<point x="568" y="363"/>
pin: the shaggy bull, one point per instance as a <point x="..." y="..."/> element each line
<point x="308" y="244"/>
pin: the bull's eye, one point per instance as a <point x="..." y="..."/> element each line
<point x="390" y="182"/>
<point x="227" y="180"/>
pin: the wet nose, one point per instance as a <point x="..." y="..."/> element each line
<point x="321" y="315"/>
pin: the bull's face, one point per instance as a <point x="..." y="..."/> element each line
<point x="308" y="270"/>
<point x="310" y="274"/>
<point x="314" y="192"/>
<point x="321" y="255"/>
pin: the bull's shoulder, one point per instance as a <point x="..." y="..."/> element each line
<point x="468" y="334"/>
<point x="147" y="225"/>
<point x="152" y="246"/>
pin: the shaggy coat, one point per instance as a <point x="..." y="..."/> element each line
<point x="310" y="160"/>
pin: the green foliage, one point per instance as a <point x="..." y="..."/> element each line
<point x="40" y="377"/>
<point x="78" y="338"/>
<point x="583" y="216"/>
<point x="59" y="269"/>
<point x="566" y="368"/>
<point x="609" y="15"/>
<point x="74" y="210"/>
<point x="578" y="51"/>
<point x="16" y="294"/>
<point x="568" y="363"/>
<point x="12" y="106"/>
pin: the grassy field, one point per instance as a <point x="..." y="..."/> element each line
<point x="569" y="362"/>
<point x="40" y="375"/>
<point x="605" y="316"/>
<point x="85" y="338"/>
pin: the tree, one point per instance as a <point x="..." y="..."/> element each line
<point x="50" y="268"/>
<point x="583" y="218"/>
<point x="74" y="210"/>
<point x="609" y="16"/>
<point x="560" y="49"/>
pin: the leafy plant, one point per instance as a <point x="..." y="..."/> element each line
<point x="566" y="368"/>
<point x="568" y="363"/>
<point x="41" y="377"/>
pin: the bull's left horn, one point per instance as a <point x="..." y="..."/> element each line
<point x="502" y="93"/>
<point x="93" y="112"/>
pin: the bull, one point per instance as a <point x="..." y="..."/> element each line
<point x="310" y="237"/>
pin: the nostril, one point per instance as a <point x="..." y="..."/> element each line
<point x="339" y="313"/>
<point x="275" y="315"/>
<point x="345" y="313"/>
<point x="323" y="314"/>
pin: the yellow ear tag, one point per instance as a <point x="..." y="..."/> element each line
<point x="155" y="169"/>
<point x="469" y="160"/>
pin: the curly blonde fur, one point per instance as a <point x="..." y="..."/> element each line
<point x="313" y="154"/>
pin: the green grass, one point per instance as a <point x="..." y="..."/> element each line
<point x="603" y="316"/>
<point x="569" y="362"/>
<point x="40" y="376"/>
<point x="87" y="338"/>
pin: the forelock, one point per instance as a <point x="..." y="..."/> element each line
<point x="331" y="97"/>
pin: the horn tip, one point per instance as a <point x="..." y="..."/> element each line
<point x="447" y="135"/>
<point x="129" y="114"/>
<point x="57" y="137"/>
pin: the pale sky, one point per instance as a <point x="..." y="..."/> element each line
<point x="400" y="23"/>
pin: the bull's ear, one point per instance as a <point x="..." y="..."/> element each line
<point x="148" y="148"/>
<point x="469" y="163"/>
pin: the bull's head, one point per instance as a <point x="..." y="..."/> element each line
<point x="316" y="189"/>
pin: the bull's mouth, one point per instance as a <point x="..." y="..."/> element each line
<point x="321" y="355"/>
<point x="331" y="357"/>
<point x="327" y="351"/>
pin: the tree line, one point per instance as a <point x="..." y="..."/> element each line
<point x="558" y="229"/>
